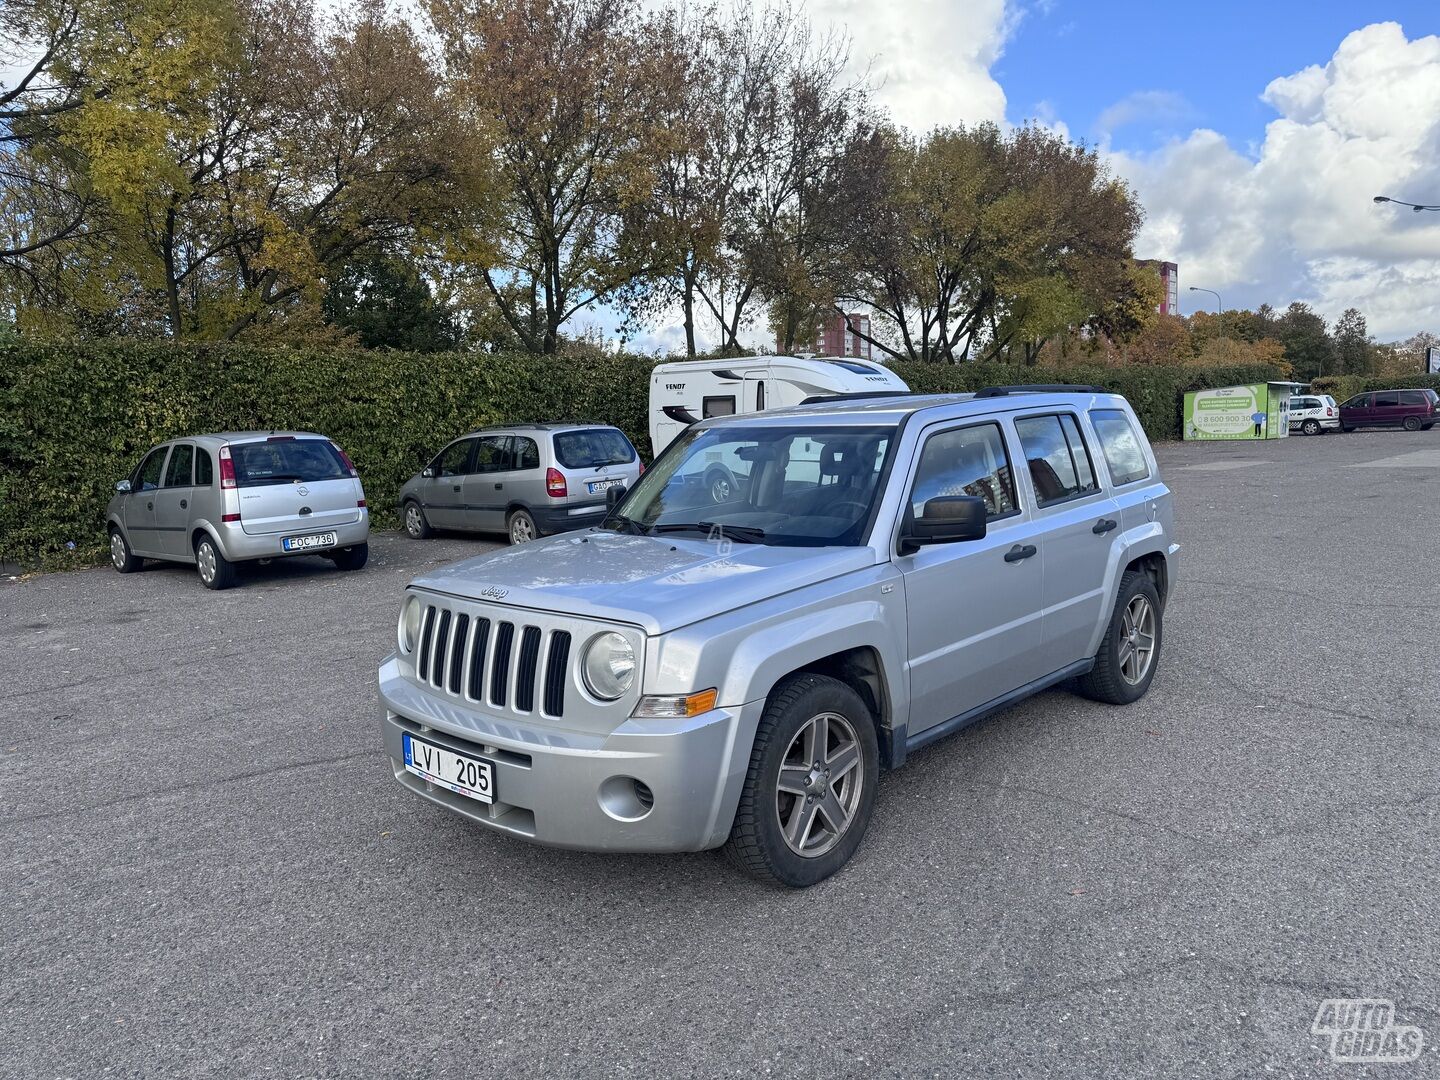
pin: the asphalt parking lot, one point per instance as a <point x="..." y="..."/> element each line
<point x="209" y="872"/>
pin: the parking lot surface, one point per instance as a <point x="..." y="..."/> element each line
<point x="208" y="870"/>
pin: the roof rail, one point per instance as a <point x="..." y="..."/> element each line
<point x="815" y="399"/>
<point x="1040" y="388"/>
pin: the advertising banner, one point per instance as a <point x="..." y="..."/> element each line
<point x="1231" y="412"/>
<point x="1432" y="360"/>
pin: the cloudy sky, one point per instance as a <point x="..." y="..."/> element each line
<point x="1256" y="133"/>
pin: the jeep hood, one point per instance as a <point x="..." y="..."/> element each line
<point x="658" y="583"/>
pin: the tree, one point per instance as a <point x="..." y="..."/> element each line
<point x="1307" y="343"/>
<point x="386" y="304"/>
<point x="1352" y="343"/>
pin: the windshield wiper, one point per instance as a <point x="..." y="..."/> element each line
<point x="746" y="534"/>
<point x="627" y="523"/>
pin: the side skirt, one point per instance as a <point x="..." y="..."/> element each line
<point x="903" y="744"/>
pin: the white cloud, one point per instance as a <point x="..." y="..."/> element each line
<point x="1161" y="106"/>
<point x="1296" y="220"/>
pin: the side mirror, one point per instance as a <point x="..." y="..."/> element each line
<point x="946" y="519"/>
<point x="614" y="494"/>
<point x="123" y="487"/>
<point x="428" y="472"/>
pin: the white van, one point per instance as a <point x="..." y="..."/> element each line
<point x="688" y="391"/>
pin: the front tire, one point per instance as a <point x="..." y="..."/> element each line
<point x="1130" y="651"/>
<point x="352" y="558"/>
<point x="416" y="525"/>
<point x="1311" y="427"/>
<point x="121" y="557"/>
<point x="216" y="571"/>
<point x="1347" y="428"/>
<point x="521" y="527"/>
<point x="811" y="784"/>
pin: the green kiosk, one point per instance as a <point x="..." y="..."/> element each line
<point x="1255" y="411"/>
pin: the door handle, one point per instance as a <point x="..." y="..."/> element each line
<point x="150" y="506"/>
<point x="499" y="487"/>
<point x="183" y="504"/>
<point x="1020" y="551"/>
<point x="457" y="487"/>
<point x="1103" y="526"/>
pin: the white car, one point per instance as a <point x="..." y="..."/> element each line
<point x="1314" y="413"/>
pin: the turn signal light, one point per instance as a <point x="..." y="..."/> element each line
<point x="227" y="468"/>
<point x="555" y="484"/>
<point x="675" y="706"/>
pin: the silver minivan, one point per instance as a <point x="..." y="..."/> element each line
<point x="216" y="500"/>
<point x="525" y="480"/>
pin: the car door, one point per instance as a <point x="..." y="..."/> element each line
<point x="1132" y="482"/>
<point x="1385" y="407"/>
<point x="443" y="496"/>
<point x="140" y="503"/>
<point x="172" y="501"/>
<point x="486" y="496"/>
<point x="973" y="609"/>
<point x="1078" y="522"/>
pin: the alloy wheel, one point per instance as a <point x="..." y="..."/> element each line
<point x="1137" y="640"/>
<point x="413" y="521"/>
<point x="821" y="779"/>
<point x="521" y="531"/>
<point x="720" y="489"/>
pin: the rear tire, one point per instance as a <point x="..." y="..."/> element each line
<point x="121" y="557"/>
<point x="1311" y="427"/>
<point x="216" y="571"/>
<point x="521" y="527"/>
<point x="1412" y="423"/>
<point x="416" y="526"/>
<point x="815" y="736"/>
<point x="352" y="558"/>
<point x="1346" y="428"/>
<point x="1125" y="665"/>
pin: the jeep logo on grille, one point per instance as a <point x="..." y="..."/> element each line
<point x="494" y="592"/>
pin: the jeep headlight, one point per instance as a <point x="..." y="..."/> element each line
<point x="411" y="613"/>
<point x="609" y="666"/>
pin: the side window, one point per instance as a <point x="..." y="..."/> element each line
<point x="204" y="468"/>
<point x="1120" y="445"/>
<point x="1055" y="454"/>
<point x="1412" y="397"/>
<point x="177" y="474"/>
<point x="717" y="406"/>
<point x="147" y="476"/>
<point x="966" y="461"/>
<point x="1359" y="401"/>
<point x="527" y="454"/>
<point x="492" y="454"/>
<point x="1386" y="398"/>
<point x="454" y="460"/>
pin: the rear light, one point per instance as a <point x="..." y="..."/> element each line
<point x="1329" y="411"/>
<point x="227" y="469"/>
<point x="229" y="517"/>
<point x="346" y="459"/>
<point x="555" y="484"/>
<point x="281" y="438"/>
<point x="642" y="469"/>
<point x="360" y="504"/>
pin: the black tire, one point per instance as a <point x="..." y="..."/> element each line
<point x="417" y="526"/>
<point x="757" y="844"/>
<point x="1346" y="428"/>
<point x="121" y="557"/>
<point x="521" y="528"/>
<point x="1311" y="427"/>
<point x="1412" y="423"/>
<point x="352" y="558"/>
<point x="1427" y="427"/>
<point x="216" y="571"/>
<point x="1109" y="681"/>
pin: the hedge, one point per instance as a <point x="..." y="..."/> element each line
<point x="74" y="418"/>
<point x="1343" y="387"/>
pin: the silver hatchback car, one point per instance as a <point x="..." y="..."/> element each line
<point x="216" y="500"/>
<point x="526" y="480"/>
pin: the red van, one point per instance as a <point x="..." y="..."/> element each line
<point x="1414" y="410"/>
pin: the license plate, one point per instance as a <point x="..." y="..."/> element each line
<point x="309" y="543"/>
<point x="597" y="486"/>
<point x="468" y="776"/>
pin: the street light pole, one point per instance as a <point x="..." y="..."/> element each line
<point x="1417" y="207"/>
<point x="1219" y="304"/>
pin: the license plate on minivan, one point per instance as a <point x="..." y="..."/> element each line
<point x="309" y="543"/>
<point x="597" y="486"/>
<point x="464" y="775"/>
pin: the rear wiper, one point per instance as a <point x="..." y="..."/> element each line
<point x="746" y="534"/>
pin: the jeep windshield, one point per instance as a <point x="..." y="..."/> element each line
<point x="762" y="484"/>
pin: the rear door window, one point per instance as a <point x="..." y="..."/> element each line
<point x="286" y="461"/>
<point x="1387" y="398"/>
<point x="593" y="447"/>
<point x="1056" y="457"/>
<point x="177" y="473"/>
<point x="492" y="454"/>
<point x="1120" y="445"/>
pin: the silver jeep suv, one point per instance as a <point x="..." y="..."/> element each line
<point x="692" y="674"/>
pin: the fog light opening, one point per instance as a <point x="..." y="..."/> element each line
<point x="626" y="799"/>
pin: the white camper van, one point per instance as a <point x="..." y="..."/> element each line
<point x="688" y="391"/>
